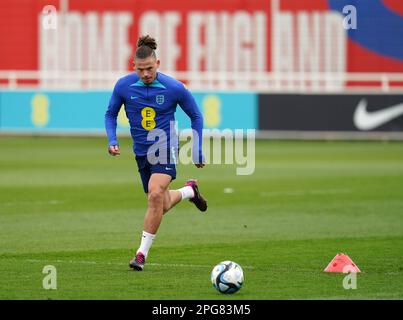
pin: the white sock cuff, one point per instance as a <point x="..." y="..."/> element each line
<point x="148" y="235"/>
<point x="187" y="192"/>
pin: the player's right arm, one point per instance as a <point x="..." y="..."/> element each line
<point x="115" y="103"/>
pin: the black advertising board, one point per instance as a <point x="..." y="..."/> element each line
<point x="331" y="112"/>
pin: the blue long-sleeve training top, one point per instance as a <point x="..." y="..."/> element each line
<point x="150" y="107"/>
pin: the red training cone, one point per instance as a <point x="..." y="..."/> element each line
<point x="341" y="263"/>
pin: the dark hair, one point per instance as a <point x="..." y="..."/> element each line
<point x="145" y="47"/>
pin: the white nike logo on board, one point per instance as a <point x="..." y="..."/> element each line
<point x="368" y="120"/>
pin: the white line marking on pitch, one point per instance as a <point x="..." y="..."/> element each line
<point x="124" y="264"/>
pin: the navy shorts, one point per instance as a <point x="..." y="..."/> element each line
<point x="147" y="165"/>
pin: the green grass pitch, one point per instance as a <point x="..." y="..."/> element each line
<point x="65" y="202"/>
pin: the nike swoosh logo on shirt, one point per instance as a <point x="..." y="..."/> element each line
<point x="368" y="120"/>
<point x="131" y="97"/>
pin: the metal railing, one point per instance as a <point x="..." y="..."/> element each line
<point x="239" y="81"/>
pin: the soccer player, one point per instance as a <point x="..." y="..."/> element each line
<point x="150" y="99"/>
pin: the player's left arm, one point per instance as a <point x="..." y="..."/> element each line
<point x="189" y="105"/>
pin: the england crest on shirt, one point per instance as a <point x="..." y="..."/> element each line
<point x="160" y="99"/>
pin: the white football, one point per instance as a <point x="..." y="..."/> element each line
<point x="227" y="277"/>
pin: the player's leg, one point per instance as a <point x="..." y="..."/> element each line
<point x="157" y="188"/>
<point x="171" y="199"/>
<point x="189" y="191"/>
